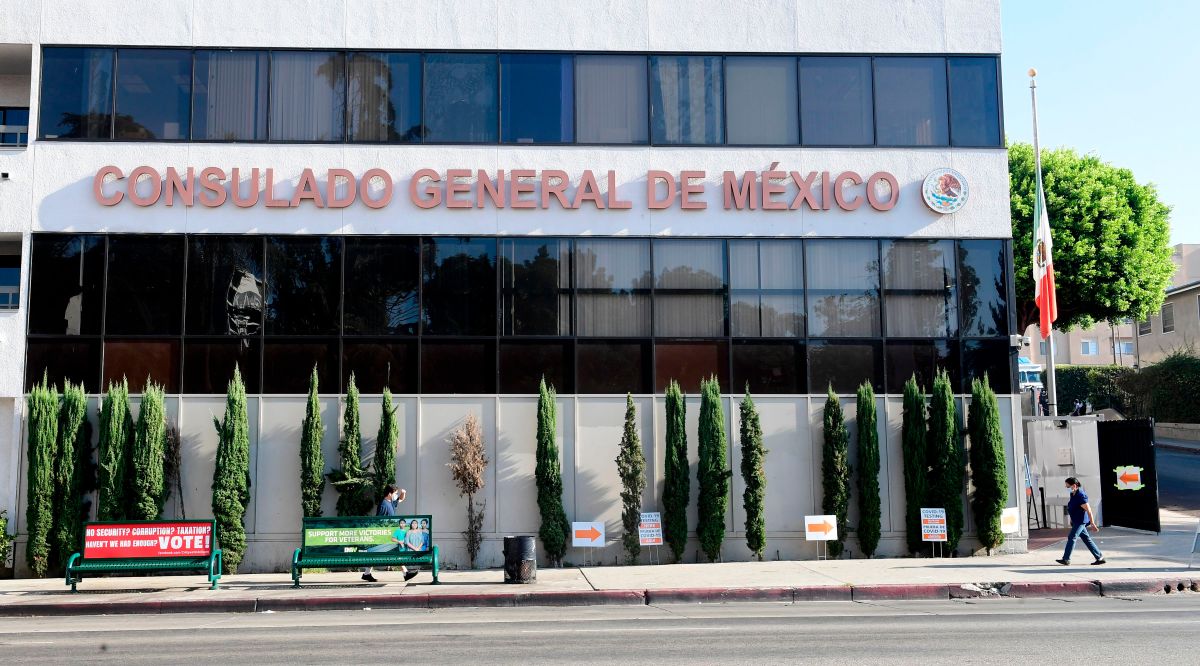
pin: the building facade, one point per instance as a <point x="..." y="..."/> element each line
<point x="457" y="200"/>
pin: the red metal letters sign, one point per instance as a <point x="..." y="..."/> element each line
<point x="143" y="540"/>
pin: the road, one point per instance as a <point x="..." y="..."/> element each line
<point x="1178" y="480"/>
<point x="1101" y="630"/>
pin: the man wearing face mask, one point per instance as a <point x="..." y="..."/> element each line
<point x="1081" y="516"/>
<point x="387" y="507"/>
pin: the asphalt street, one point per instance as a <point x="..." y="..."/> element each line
<point x="1095" y="630"/>
<point x="1178" y="480"/>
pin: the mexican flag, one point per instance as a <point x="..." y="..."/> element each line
<point x="1043" y="265"/>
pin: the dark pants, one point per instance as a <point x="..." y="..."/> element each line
<point x="1080" y="532"/>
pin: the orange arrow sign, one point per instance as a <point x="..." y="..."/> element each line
<point x="591" y="534"/>
<point x="822" y="527"/>
<point x="1130" y="477"/>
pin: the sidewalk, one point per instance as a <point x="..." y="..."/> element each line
<point x="1177" y="444"/>
<point x="1139" y="564"/>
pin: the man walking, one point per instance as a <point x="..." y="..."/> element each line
<point x="387" y="507"/>
<point x="1081" y="516"/>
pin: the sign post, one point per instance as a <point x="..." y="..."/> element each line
<point x="933" y="529"/>
<point x="588" y="534"/>
<point x="821" y="529"/>
<point x="650" y="533"/>
<point x="1010" y="520"/>
<point x="1129" y="477"/>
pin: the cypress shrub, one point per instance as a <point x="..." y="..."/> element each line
<point x="115" y="432"/>
<point x="753" y="475"/>
<point x="988" y="465"/>
<point x="631" y="467"/>
<point x="712" y="474"/>
<point x="350" y="480"/>
<point x="870" y="505"/>
<point x="945" y="458"/>
<point x="312" y="460"/>
<point x="231" y="475"/>
<point x="916" y="469"/>
<point x="43" y="444"/>
<point x="383" y="467"/>
<point x="835" y="469"/>
<point x="677" y="482"/>
<point x="555" y="528"/>
<point x="148" y="455"/>
<point x="68" y="504"/>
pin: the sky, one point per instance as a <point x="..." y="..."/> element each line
<point x="1118" y="79"/>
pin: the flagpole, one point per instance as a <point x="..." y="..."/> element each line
<point x="1051" y="392"/>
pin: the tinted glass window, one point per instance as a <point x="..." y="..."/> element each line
<point x="612" y="282"/>
<point x="614" y="367"/>
<point x="760" y="101"/>
<point x="992" y="357"/>
<point x="611" y="93"/>
<point x="76" y="93"/>
<point x="230" y="98"/>
<point x="536" y="276"/>
<point x="983" y="281"/>
<point x="690" y="362"/>
<point x="289" y="364"/>
<point x="767" y="283"/>
<point x="460" y="287"/>
<point x="919" y="289"/>
<point x="64" y="358"/>
<point x="66" y="285"/>
<point x="843" y="288"/>
<point x="379" y="364"/>
<point x="382" y="276"/>
<point x="141" y="361"/>
<point x="145" y="284"/>
<point x="523" y="364"/>
<point x="308" y="95"/>
<point x="537" y="103"/>
<point x="154" y="94"/>
<point x="922" y="359"/>
<point x="460" y="97"/>
<point x="15" y="119"/>
<point x="225" y="285"/>
<point x="768" y="367"/>
<point x="685" y="99"/>
<point x="844" y="365"/>
<point x="10" y="275"/>
<point x="910" y="101"/>
<point x="974" y="102"/>
<point x="384" y="96"/>
<point x="304" y="282"/>
<point x="689" y="288"/>
<point x="458" y="367"/>
<point x="836" y="102"/>
<point x="208" y="364"/>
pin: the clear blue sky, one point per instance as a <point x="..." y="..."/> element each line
<point x="1118" y="79"/>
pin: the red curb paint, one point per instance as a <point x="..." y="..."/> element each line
<point x="472" y="600"/>
<point x="899" y="591"/>
<point x="822" y="593"/>
<point x="718" y="595"/>
<point x="1071" y="588"/>
<point x="208" y="606"/>
<point x="583" y="598"/>
<point x="1143" y="587"/>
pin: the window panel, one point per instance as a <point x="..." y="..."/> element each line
<point x="140" y="361"/>
<point x="992" y="357"/>
<point x="982" y="280"/>
<point x="836" y="102"/>
<point x="614" y="367"/>
<point x="74" y="359"/>
<point x="308" y="95"/>
<point x="15" y="118"/>
<point x="690" y="362"/>
<point x="910" y="101"/>
<point x="208" y="364"/>
<point x="685" y="99"/>
<point x="10" y="274"/>
<point x="384" y="97"/>
<point x="145" y="284"/>
<point x="537" y="103"/>
<point x="919" y="289"/>
<point x="154" y="93"/>
<point x="612" y="97"/>
<point x="304" y="283"/>
<point x="382" y="278"/>
<point x="225" y="285"/>
<point x="460" y="97"/>
<point x="767" y="279"/>
<point x="769" y="367"/>
<point x="77" y="93"/>
<point x="288" y="365"/>
<point x="613" y="279"/>
<point x="923" y="359"/>
<point x="377" y="364"/>
<point x="844" y="365"/>
<point x="974" y="102"/>
<point x="843" y="288"/>
<point x="459" y="286"/>
<point x="760" y="101"/>
<point x="1168" y="318"/>
<point x="687" y="274"/>
<point x="524" y="364"/>
<point x="66" y="284"/>
<point x="536" y="279"/>
<point x="458" y="367"/>
<point x="230" y="98"/>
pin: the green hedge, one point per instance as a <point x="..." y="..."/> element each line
<point x="1100" y="385"/>
<point x="1167" y="390"/>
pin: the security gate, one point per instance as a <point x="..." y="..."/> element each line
<point x="1128" y="477"/>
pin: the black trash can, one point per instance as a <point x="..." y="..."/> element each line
<point x="520" y="559"/>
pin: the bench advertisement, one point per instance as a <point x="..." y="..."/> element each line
<point x="147" y="540"/>
<point x="374" y="535"/>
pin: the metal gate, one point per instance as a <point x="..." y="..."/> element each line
<point x="1128" y="476"/>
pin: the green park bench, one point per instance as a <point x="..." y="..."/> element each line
<point x="147" y="547"/>
<point x="367" y="541"/>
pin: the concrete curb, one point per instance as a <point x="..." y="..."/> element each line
<point x="562" y="598"/>
<point x="1182" y="448"/>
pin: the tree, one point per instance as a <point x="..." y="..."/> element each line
<point x="231" y="475"/>
<point x="631" y="467"/>
<point x="712" y="475"/>
<point x="677" y="482"/>
<point x="350" y="480"/>
<point x="835" y="469"/>
<point x="43" y="444"/>
<point x="312" y="459"/>
<point x="870" y="505"/>
<point x="1111" y="254"/>
<point x="383" y="468"/>
<point x="912" y="436"/>
<point x="148" y="455"/>
<point x="945" y="458"/>
<point x="989" y="470"/>
<point x="115" y="431"/>
<point x="555" y="528"/>
<point x="753" y="475"/>
<point x="468" y="462"/>
<point x="68" y="505"/>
